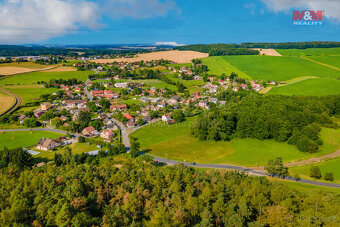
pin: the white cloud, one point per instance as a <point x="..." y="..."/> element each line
<point x="36" y="20"/>
<point x="168" y="44"/>
<point x="25" y="21"/>
<point x="139" y="9"/>
<point x="331" y="7"/>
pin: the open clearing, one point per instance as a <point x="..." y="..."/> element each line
<point x="219" y="66"/>
<point x="311" y="86"/>
<point x="174" y="55"/>
<point x="333" y="61"/>
<point x="13" y="140"/>
<point x="6" y="102"/>
<point x="309" y="51"/>
<point x="175" y="142"/>
<point x="29" y="93"/>
<point x="278" y="68"/>
<point x="18" y="68"/>
<point x="62" y="69"/>
<point x="32" y="78"/>
<point x="268" y="52"/>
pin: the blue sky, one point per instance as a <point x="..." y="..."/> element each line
<point x="151" y="21"/>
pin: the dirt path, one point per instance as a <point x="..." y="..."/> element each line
<point x="307" y="161"/>
<point x="320" y="63"/>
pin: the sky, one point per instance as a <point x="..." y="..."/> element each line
<point x="162" y="21"/>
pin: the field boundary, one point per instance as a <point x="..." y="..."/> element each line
<point x="16" y="104"/>
<point x="320" y="63"/>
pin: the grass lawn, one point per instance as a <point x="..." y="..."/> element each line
<point x="191" y="85"/>
<point x="329" y="60"/>
<point x="312" y="86"/>
<point x="76" y="148"/>
<point x="309" y="51"/>
<point x="218" y="66"/>
<point x="6" y="101"/>
<point x="34" y="77"/>
<point x="29" y="93"/>
<point x="13" y="140"/>
<point x="163" y="85"/>
<point x="279" y="68"/>
<point x="175" y="142"/>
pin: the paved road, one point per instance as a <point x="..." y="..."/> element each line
<point x="16" y="104"/>
<point x="240" y="168"/>
<point x="125" y="134"/>
<point x="35" y="129"/>
<point x="88" y="94"/>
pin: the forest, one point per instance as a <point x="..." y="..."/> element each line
<point x="282" y="118"/>
<point x="121" y="191"/>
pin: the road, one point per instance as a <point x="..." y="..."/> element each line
<point x="125" y="134"/>
<point x="240" y="168"/>
<point x="88" y="94"/>
<point x="16" y="104"/>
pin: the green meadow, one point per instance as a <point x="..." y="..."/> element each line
<point x="309" y="51"/>
<point x="13" y="140"/>
<point x="329" y="60"/>
<point x="279" y="68"/>
<point x="175" y="142"/>
<point x="312" y="86"/>
<point x="30" y="93"/>
<point x="34" y="77"/>
<point x="218" y="66"/>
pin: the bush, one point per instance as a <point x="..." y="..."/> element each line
<point x="329" y="177"/>
<point x="315" y="172"/>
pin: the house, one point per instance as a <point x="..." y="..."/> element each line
<point x="103" y="116"/>
<point x="115" y="95"/>
<point x="118" y="107"/>
<point x="112" y="126"/>
<point x="107" y="134"/>
<point x="197" y="77"/>
<point x="107" y="121"/>
<point x="128" y="116"/>
<point x="121" y="85"/>
<point x="47" y="144"/>
<point x="161" y="104"/>
<point x="172" y="102"/>
<point x="98" y="93"/>
<point x="108" y="94"/>
<point x="146" y="118"/>
<point x="89" y="131"/>
<point x="22" y="118"/>
<point x="77" y="89"/>
<point x="197" y="95"/>
<point x="144" y="99"/>
<point x="38" y="113"/>
<point x="236" y="89"/>
<point x="166" y="118"/>
<point x="203" y="104"/>
<point x="131" y="123"/>
<point x="144" y="113"/>
<point x="213" y="100"/>
<point x="45" y="106"/>
<point x="41" y="164"/>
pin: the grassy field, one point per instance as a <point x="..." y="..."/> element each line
<point x="6" y="101"/>
<point x="279" y="68"/>
<point x="313" y="86"/>
<point x="76" y="148"/>
<point x="32" y="78"/>
<point x="329" y="60"/>
<point x="218" y="66"/>
<point x="309" y="51"/>
<point x="29" y="93"/>
<point x="175" y="142"/>
<point x="13" y="140"/>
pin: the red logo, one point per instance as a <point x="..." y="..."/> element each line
<point x="309" y="15"/>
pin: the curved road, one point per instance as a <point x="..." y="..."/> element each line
<point x="16" y="104"/>
<point x="126" y="142"/>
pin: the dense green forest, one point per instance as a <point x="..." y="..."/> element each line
<point x="219" y="49"/>
<point x="13" y="50"/>
<point x="120" y="191"/>
<point x="242" y="49"/>
<point x="282" y="118"/>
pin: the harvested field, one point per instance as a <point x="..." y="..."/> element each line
<point x="269" y="52"/>
<point x="7" y="71"/>
<point x="61" y="69"/>
<point x="174" y="55"/>
<point x="6" y="102"/>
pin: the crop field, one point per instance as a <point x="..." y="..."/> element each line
<point x="309" y="51"/>
<point x="329" y="60"/>
<point x="313" y="86"/>
<point x="6" y="101"/>
<point x="29" y="93"/>
<point x="32" y="78"/>
<point x="218" y="66"/>
<point x="13" y="140"/>
<point x="23" y="67"/>
<point x="175" y="142"/>
<point x="279" y="68"/>
<point x="62" y="69"/>
<point x="174" y="55"/>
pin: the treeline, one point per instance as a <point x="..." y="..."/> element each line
<point x="118" y="191"/>
<point x="282" y="118"/>
<point x="291" y="45"/>
<point x="58" y="82"/>
<point x="219" y="49"/>
<point x="13" y="51"/>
